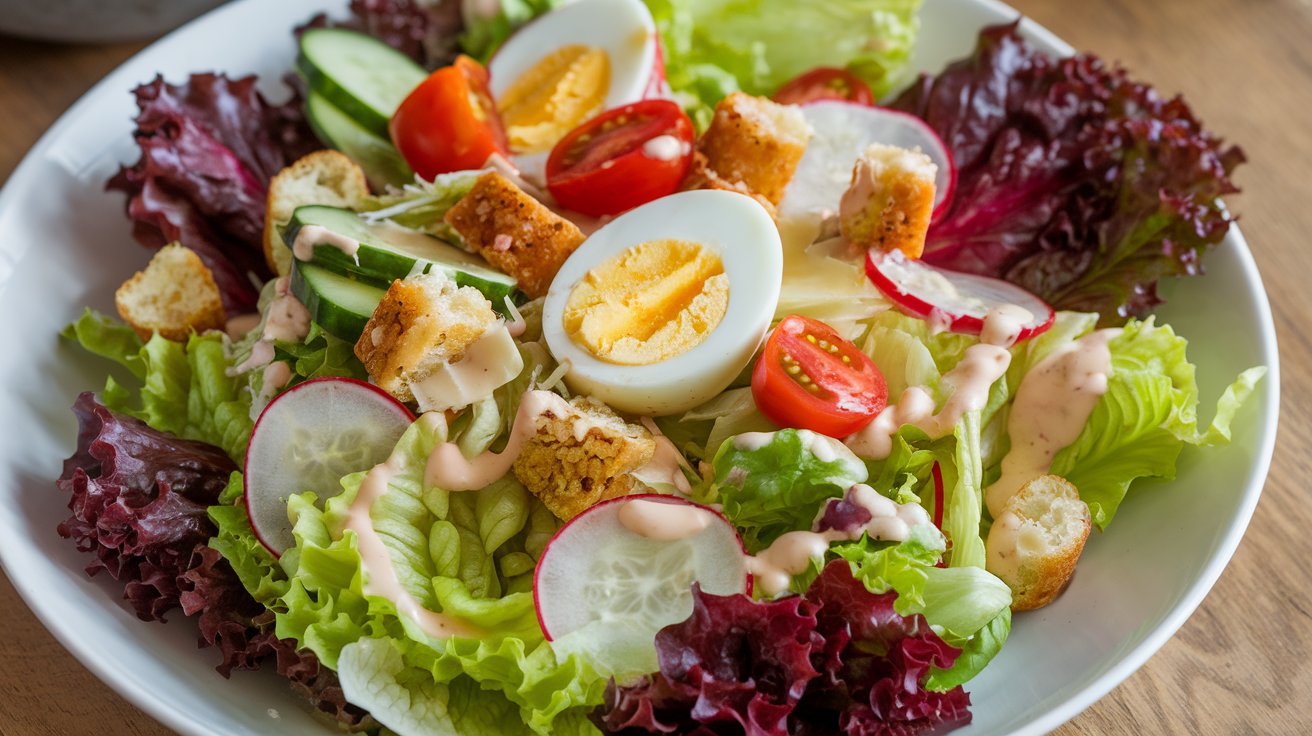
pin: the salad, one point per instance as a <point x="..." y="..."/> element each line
<point x="626" y="366"/>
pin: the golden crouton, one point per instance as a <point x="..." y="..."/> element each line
<point x="323" y="177"/>
<point x="1034" y="545"/>
<point x="752" y="143"/>
<point x="422" y="322"/>
<point x="891" y="200"/>
<point x="569" y="473"/>
<point x="702" y="176"/>
<point x="175" y="296"/>
<point x="514" y="232"/>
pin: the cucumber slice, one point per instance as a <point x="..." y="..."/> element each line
<point x="380" y="160"/>
<point x="364" y="77"/>
<point x="340" y="305"/>
<point x="387" y="251"/>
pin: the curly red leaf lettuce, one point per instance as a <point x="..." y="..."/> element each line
<point x="1074" y="181"/>
<point x="139" y="500"/>
<point x="208" y="149"/>
<point x="837" y="660"/>
<point x="426" y="32"/>
<point x="875" y="663"/>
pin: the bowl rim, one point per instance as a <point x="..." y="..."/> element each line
<point x="175" y="718"/>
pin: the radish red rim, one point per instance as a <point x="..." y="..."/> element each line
<point x="266" y="531"/>
<point x="941" y="155"/>
<point x="931" y="299"/>
<point x="614" y="502"/>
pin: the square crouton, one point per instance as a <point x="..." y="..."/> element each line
<point x="514" y="232"/>
<point x="323" y="177"/>
<point x="175" y="296"/>
<point x="421" y="323"/>
<point x="753" y="145"/>
<point x="582" y="454"/>
<point x="891" y="200"/>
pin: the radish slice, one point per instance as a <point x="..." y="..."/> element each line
<point x="307" y="439"/>
<point x="957" y="301"/>
<point x="633" y="560"/>
<point x="842" y="132"/>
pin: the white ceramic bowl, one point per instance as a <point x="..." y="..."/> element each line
<point x="64" y="243"/>
<point x="97" y="20"/>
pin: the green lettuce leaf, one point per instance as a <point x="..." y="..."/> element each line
<point x="256" y="568"/>
<point x="1148" y="415"/>
<point x="978" y="652"/>
<point x="466" y="555"/>
<point x="713" y="47"/>
<point x="969" y="607"/>
<point x="772" y="483"/>
<point x="423" y="204"/>
<point x="177" y="387"/>
<point x="320" y="354"/>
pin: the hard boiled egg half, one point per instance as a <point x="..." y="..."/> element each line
<point x="567" y="66"/>
<point x="661" y="308"/>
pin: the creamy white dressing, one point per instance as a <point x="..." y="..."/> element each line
<point x="1008" y="538"/>
<point x="311" y="235"/>
<point x="791" y="554"/>
<point x="449" y="469"/>
<point x="239" y="326"/>
<point x="969" y="381"/>
<point x="261" y="353"/>
<point x="285" y="319"/>
<point x="663" y="522"/>
<point x="276" y="375"/>
<point x="665" y="148"/>
<point x="752" y="441"/>
<point x="1003" y="323"/>
<point x="666" y="464"/>
<point x="1052" y="405"/>
<point x="939" y="321"/>
<point x="380" y="574"/>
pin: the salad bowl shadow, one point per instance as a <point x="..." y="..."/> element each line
<point x="1137" y="584"/>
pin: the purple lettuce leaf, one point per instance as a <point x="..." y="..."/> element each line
<point x="1074" y="181"/>
<point x="875" y="663"/>
<point x="838" y="660"/>
<point x="734" y="666"/>
<point x="208" y="149"/>
<point x="138" y="499"/>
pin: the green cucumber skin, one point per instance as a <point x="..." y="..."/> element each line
<point x="337" y="320"/>
<point x="380" y="267"/>
<point x="320" y="80"/>
<point x="368" y="118"/>
<point x="382" y="163"/>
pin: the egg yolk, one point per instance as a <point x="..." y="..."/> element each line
<point x="566" y="87"/>
<point x="656" y="300"/>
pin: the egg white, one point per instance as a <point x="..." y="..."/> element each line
<point x="733" y="226"/>
<point x="624" y="29"/>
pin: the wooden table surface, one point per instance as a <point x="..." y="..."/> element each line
<point x="1241" y="665"/>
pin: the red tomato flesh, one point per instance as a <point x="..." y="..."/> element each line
<point x="449" y="122"/>
<point x="825" y="83"/>
<point x="811" y="378"/>
<point x="604" y="167"/>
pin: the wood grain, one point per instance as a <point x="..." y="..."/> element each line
<point x="1241" y="663"/>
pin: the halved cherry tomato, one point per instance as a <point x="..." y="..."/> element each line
<point x="825" y="83"/>
<point x="622" y="158"/>
<point x="449" y="122"/>
<point x="811" y="378"/>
